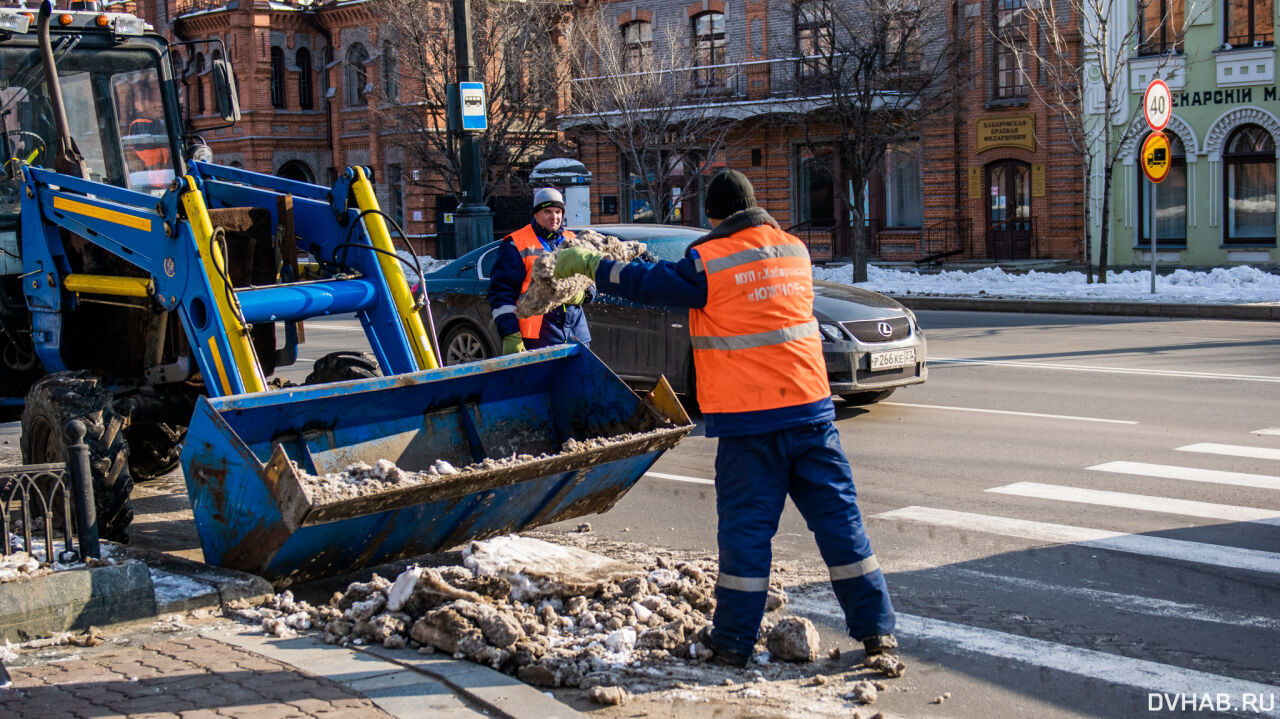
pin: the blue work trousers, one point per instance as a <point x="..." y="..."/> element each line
<point x="754" y="475"/>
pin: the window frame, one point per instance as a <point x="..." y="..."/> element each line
<point x="356" y="77"/>
<point x="1254" y="11"/>
<point x="1009" y="20"/>
<point x="390" y="71"/>
<point x="637" y="45"/>
<point x="815" y="38"/>
<point x="1230" y="160"/>
<point x="277" y="77"/>
<point x="1157" y="37"/>
<point x="709" y="50"/>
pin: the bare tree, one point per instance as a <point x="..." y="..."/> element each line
<point x="645" y="92"/>
<point x="1084" y="50"/>
<point x="869" y="73"/>
<point x="518" y="55"/>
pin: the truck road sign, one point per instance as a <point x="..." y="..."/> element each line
<point x="1157" y="156"/>
<point x="1157" y="105"/>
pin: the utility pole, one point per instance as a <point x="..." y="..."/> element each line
<point x="472" y="221"/>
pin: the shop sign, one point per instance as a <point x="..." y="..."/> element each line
<point x="1007" y="131"/>
<point x="1038" y="180"/>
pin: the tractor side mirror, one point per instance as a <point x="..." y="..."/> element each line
<point x="224" y="91"/>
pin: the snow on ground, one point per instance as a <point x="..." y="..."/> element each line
<point x="1235" y="285"/>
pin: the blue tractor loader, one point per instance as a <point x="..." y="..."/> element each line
<point x="152" y="294"/>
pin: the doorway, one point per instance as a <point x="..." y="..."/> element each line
<point x="1010" y="228"/>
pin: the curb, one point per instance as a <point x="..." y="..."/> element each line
<point x="1253" y="312"/>
<point x="75" y="600"/>
<point x="406" y="684"/>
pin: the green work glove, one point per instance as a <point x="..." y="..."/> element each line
<point x="578" y="298"/>
<point x="577" y="261"/>
<point x="512" y="344"/>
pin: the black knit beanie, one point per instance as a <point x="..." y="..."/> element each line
<point x="729" y="192"/>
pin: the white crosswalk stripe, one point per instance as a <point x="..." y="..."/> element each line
<point x="1192" y="474"/>
<point x="1195" y="552"/>
<point x="1104" y="498"/>
<point x="1233" y="450"/>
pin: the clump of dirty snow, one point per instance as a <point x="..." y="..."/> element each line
<point x="553" y="616"/>
<point x="545" y="291"/>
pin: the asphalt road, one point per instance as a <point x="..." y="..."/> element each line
<point x="1074" y="513"/>
<point x="1078" y="516"/>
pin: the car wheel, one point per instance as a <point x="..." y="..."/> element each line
<point x="464" y="343"/>
<point x="867" y="397"/>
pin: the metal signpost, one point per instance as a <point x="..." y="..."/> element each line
<point x="1157" y="156"/>
<point x="473" y="222"/>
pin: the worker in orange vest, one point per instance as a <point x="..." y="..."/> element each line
<point x="513" y="271"/>
<point x="762" y="387"/>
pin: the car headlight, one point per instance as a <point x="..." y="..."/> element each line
<point x="831" y="332"/>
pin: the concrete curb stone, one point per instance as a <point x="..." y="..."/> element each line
<point x="75" y="600"/>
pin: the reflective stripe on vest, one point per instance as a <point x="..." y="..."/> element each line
<point x="756" y="344"/>
<point x="530" y="247"/>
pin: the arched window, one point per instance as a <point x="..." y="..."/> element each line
<point x="637" y="41"/>
<point x="1249" y="186"/>
<point x="296" y="170"/>
<point x="708" y="42"/>
<point x="277" y="76"/>
<point x="390" y="71"/>
<point x="197" y="86"/>
<point x="1170" y="209"/>
<point x="814" y="38"/>
<point x="357" y="77"/>
<point x="1011" y="44"/>
<point x="303" y="58"/>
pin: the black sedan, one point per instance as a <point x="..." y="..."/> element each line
<point x="871" y="343"/>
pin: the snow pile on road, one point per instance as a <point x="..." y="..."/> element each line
<point x="1235" y="285"/>
<point x="552" y="615"/>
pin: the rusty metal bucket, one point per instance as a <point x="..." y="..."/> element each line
<point x="251" y="461"/>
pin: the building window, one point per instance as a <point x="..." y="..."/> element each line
<point x="1161" y="22"/>
<point x="816" y="187"/>
<point x="391" y="71"/>
<point x="296" y="170"/>
<point x="1250" y="187"/>
<point x="357" y="79"/>
<point x="637" y="41"/>
<point x="903" y="197"/>
<point x="635" y="195"/>
<point x="197" y="87"/>
<point x="1170" y="207"/>
<point x="814" y="37"/>
<point x="1248" y="22"/>
<point x="708" y="41"/>
<point x="1011" y="44"/>
<point x="303" y="59"/>
<point x="277" y="77"/>
<point x="395" y="194"/>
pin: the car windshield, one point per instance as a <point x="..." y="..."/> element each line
<point x="114" y="111"/>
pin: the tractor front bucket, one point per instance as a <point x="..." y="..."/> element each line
<point x="528" y="439"/>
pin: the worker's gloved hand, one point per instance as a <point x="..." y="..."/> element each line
<point x="577" y="261"/>
<point x="512" y="344"/>
<point x="578" y="298"/>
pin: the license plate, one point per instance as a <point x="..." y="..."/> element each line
<point x="893" y="358"/>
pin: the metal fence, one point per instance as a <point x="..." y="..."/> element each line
<point x="47" y="509"/>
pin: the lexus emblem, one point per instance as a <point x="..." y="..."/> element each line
<point x="885" y="329"/>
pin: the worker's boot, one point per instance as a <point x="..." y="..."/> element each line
<point x="879" y="644"/>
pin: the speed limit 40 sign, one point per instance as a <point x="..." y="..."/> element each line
<point x="1157" y="105"/>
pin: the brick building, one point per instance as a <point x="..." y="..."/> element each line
<point x="312" y="78"/>
<point x="990" y="176"/>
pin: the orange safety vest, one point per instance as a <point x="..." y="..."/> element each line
<point x="756" y="343"/>
<point x="530" y="247"/>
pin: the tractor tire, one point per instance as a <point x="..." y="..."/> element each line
<point x="61" y="397"/>
<point x="343" y="366"/>
<point x="154" y="449"/>
<point x="870" y="397"/>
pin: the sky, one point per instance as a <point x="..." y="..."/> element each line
<point x="1234" y="285"/>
